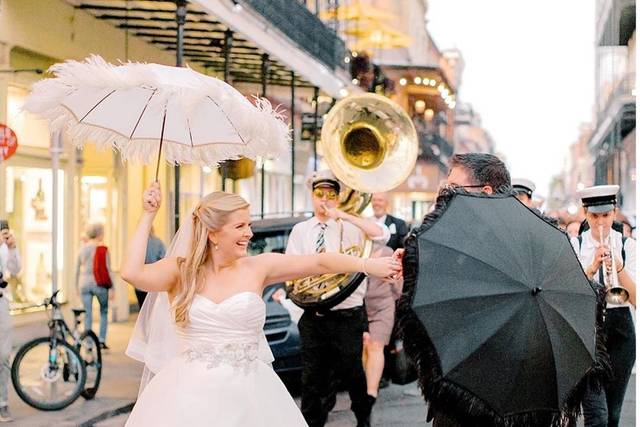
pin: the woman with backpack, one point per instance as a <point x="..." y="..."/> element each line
<point x="94" y="278"/>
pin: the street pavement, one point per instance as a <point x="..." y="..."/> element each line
<point x="397" y="406"/>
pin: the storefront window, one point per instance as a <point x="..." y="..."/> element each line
<point x="94" y="202"/>
<point x="29" y="204"/>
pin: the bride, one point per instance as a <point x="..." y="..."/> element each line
<point x="222" y="374"/>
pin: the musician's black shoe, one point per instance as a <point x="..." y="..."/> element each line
<point x="364" y="420"/>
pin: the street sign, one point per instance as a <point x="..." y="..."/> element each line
<point x="8" y="142"/>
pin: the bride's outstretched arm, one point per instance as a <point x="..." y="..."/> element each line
<point x="279" y="268"/>
<point x="159" y="276"/>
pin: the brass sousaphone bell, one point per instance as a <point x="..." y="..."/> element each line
<point x="371" y="145"/>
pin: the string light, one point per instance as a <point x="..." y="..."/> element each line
<point x="237" y="7"/>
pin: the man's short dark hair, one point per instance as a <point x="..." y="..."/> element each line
<point x="486" y="169"/>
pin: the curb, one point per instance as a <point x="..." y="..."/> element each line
<point x="107" y="414"/>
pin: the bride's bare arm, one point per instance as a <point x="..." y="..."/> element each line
<point x="159" y="276"/>
<point x="279" y="268"/>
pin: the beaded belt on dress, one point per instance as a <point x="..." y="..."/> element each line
<point x="237" y="355"/>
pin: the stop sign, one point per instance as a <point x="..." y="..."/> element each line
<point x="8" y="142"/>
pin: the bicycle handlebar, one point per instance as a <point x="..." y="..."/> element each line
<point x="52" y="301"/>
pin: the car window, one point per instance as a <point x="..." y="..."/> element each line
<point x="259" y="245"/>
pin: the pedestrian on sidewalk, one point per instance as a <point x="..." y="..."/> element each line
<point x="94" y="277"/>
<point x="9" y="265"/>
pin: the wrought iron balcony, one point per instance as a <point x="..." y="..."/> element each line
<point x="304" y="28"/>
<point x="435" y="148"/>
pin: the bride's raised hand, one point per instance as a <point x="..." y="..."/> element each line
<point x="151" y="198"/>
<point x="386" y="267"/>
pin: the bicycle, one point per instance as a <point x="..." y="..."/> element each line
<point x="49" y="373"/>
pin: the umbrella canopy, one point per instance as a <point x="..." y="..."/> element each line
<point x="378" y="36"/>
<point x="357" y="12"/>
<point x="135" y="106"/>
<point x="498" y="312"/>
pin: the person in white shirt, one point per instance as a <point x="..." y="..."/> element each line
<point x="9" y="265"/>
<point x="602" y="407"/>
<point x="331" y="340"/>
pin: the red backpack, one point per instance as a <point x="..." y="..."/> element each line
<point x="100" y="270"/>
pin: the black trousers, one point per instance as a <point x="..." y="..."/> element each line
<point x="331" y="348"/>
<point x="602" y="408"/>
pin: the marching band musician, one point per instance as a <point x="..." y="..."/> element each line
<point x="602" y="407"/>
<point x="331" y="340"/>
<point x="524" y="189"/>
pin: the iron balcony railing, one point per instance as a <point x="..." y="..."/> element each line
<point x="623" y="90"/>
<point x="435" y="148"/>
<point x="304" y="28"/>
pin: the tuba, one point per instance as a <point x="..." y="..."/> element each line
<point x="371" y="145"/>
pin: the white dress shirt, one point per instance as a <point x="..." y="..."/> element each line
<point x="302" y="241"/>
<point x="590" y="245"/>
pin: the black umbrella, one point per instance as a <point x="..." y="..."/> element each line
<point x="497" y="313"/>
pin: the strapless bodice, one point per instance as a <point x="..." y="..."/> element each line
<point x="239" y="318"/>
<point x="228" y="332"/>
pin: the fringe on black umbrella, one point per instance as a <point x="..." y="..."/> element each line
<point x="452" y="401"/>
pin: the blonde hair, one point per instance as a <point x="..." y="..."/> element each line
<point x="210" y="215"/>
<point x="95" y="230"/>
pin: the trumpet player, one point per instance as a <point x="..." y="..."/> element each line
<point x="609" y="259"/>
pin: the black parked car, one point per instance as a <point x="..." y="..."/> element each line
<point x="270" y="235"/>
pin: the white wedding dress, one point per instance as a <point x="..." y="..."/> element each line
<point x="219" y="378"/>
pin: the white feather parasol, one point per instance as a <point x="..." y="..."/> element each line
<point x="135" y="106"/>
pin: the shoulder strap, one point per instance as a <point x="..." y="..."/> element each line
<point x="579" y="242"/>
<point x="624" y="255"/>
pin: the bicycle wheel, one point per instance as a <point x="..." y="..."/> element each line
<point x="48" y="377"/>
<point x="89" y="348"/>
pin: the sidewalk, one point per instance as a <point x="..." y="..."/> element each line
<point x="117" y="393"/>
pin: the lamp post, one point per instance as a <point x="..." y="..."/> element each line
<point x="181" y="17"/>
<point x="264" y="74"/>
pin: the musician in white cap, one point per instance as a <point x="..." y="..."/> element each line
<point x="331" y="339"/>
<point x="524" y="189"/>
<point x="609" y="258"/>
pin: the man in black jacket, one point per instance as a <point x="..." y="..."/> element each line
<point x="397" y="227"/>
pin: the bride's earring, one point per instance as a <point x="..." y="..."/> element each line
<point x="215" y="245"/>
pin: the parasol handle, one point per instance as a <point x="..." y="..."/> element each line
<point x="164" y="119"/>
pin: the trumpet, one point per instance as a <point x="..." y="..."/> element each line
<point x="616" y="294"/>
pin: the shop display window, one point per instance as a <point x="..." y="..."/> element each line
<point x="29" y="204"/>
